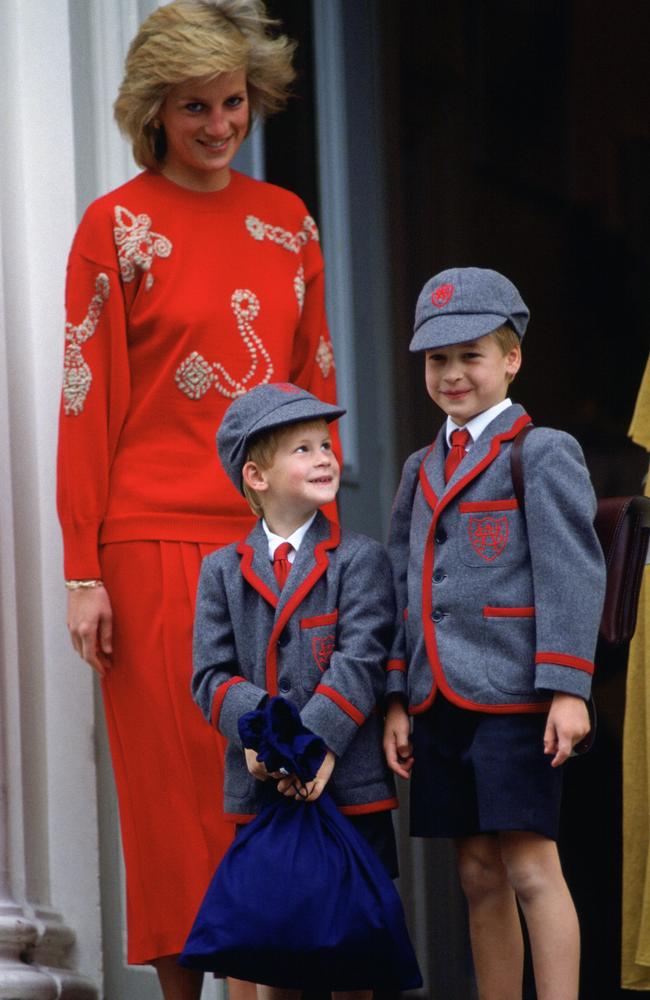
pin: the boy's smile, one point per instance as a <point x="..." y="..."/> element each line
<point x="466" y="379"/>
<point x="304" y="475"/>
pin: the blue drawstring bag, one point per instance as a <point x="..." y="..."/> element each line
<point x="300" y="900"/>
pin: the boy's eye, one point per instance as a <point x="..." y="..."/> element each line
<point x="326" y="446"/>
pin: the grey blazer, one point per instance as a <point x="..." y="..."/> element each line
<point x="495" y="610"/>
<point x="322" y="642"/>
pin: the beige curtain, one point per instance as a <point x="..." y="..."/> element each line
<point x="635" y="963"/>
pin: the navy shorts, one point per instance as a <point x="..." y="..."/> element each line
<point x="479" y="772"/>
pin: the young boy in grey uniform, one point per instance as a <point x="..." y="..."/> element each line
<point x="500" y="610"/>
<point x="301" y="609"/>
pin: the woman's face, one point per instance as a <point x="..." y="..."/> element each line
<point x="205" y="124"/>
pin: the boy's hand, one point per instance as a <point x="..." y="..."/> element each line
<point x="567" y="724"/>
<point x="397" y="738"/>
<point x="292" y="786"/>
<point x="256" y="768"/>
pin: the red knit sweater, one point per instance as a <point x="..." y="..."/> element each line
<point x="177" y="301"/>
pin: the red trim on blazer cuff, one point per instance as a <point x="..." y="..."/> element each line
<point x="564" y="660"/>
<point x="330" y="619"/>
<point x="396" y="665"/>
<point x="492" y="612"/>
<point x="239" y="817"/>
<point x="219" y="695"/>
<point x="342" y="703"/>
<point x="475" y="506"/>
<point x="369" y="807"/>
<point x="406" y="614"/>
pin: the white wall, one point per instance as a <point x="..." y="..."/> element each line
<point x="53" y="827"/>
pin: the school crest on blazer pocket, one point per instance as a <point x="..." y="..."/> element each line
<point x="489" y="535"/>
<point x="322" y="647"/>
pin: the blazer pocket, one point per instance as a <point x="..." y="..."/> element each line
<point x="509" y="648"/>
<point x="318" y="642"/>
<point x="491" y="533"/>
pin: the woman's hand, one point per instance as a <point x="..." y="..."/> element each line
<point x="90" y="623"/>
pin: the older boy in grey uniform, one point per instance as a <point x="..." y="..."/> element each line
<point x="500" y="610"/>
<point x="300" y="609"/>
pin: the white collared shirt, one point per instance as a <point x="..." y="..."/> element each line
<point x="294" y="540"/>
<point x="477" y="424"/>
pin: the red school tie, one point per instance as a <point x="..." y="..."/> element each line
<point x="456" y="454"/>
<point x="281" y="564"/>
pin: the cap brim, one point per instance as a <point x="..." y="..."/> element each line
<point x="445" y="330"/>
<point x="294" y="411"/>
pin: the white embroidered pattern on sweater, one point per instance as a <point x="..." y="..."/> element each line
<point x="137" y="244"/>
<point x="325" y="356"/>
<point x="299" y="286"/>
<point x="195" y="376"/>
<point x="77" y="375"/>
<point x="283" y="237"/>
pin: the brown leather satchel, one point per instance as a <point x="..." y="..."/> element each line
<point x="623" y="528"/>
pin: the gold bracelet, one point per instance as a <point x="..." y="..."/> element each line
<point x="83" y="584"/>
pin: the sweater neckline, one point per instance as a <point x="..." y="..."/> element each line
<point x="204" y="201"/>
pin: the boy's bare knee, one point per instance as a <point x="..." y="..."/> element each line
<point x="532" y="865"/>
<point x="480" y="869"/>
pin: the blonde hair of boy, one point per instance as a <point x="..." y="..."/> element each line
<point x="196" y="40"/>
<point x="507" y="340"/>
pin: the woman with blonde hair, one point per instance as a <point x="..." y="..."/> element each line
<point x="187" y="286"/>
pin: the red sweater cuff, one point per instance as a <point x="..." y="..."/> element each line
<point x="81" y="552"/>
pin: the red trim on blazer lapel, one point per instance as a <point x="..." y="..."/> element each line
<point x="428" y="490"/>
<point x="247" y="552"/>
<point x="302" y="590"/>
<point x="495" y="448"/>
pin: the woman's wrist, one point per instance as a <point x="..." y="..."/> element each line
<point x="83" y="584"/>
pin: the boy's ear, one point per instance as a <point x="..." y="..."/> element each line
<point x="513" y="361"/>
<point x="254" y="478"/>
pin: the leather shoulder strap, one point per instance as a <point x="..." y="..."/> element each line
<point x="516" y="465"/>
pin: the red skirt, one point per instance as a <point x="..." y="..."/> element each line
<point x="167" y="760"/>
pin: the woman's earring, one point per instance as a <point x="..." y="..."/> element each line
<point x="156" y="123"/>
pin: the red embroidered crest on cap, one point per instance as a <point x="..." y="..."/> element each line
<point x="322" y="648"/>
<point x="287" y="387"/>
<point x="442" y="295"/>
<point x="488" y="535"/>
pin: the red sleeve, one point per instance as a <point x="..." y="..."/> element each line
<point x="94" y="400"/>
<point x="313" y="365"/>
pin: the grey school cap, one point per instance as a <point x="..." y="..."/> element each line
<point x="263" y="408"/>
<point x="465" y="303"/>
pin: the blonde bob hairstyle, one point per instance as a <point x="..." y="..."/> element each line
<point x="196" y="40"/>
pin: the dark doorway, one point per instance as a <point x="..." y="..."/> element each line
<point x="518" y="138"/>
